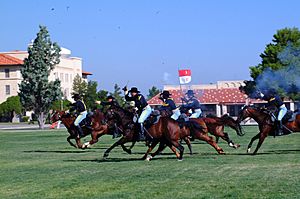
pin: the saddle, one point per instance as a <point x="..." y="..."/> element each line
<point x="87" y="122"/>
<point x="152" y="119"/>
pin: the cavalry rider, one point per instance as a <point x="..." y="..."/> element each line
<point x="143" y="109"/>
<point x="192" y="104"/>
<point x="111" y="101"/>
<point x="169" y="105"/>
<point x="274" y="100"/>
<point x="80" y="108"/>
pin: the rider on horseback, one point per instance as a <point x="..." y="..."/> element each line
<point x="192" y="104"/>
<point x="111" y="101"/>
<point x="274" y="100"/>
<point x="80" y="108"/>
<point x="169" y="105"/>
<point x="143" y="109"/>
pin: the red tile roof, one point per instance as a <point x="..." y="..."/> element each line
<point x="9" y="60"/>
<point x="86" y="73"/>
<point x="208" y="96"/>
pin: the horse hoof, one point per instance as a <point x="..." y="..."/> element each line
<point x="149" y="157"/>
<point x="221" y="152"/>
<point x="237" y="146"/>
<point x="129" y="151"/>
<point x="248" y="150"/>
<point x="180" y="160"/>
<point x="105" y="155"/>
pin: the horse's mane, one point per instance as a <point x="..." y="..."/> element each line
<point x="119" y="108"/>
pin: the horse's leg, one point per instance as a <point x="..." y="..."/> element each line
<point x="251" y="142"/>
<point x="125" y="149"/>
<point x="132" y="145"/>
<point x="230" y="143"/>
<point x="217" y="138"/>
<point x="78" y="143"/>
<point x="153" y="144"/>
<point x="71" y="143"/>
<point x="121" y="141"/>
<point x="209" y="140"/>
<point x="262" y="137"/>
<point x="188" y="143"/>
<point x="176" y="144"/>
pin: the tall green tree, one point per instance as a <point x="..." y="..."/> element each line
<point x="62" y="104"/>
<point x="152" y="92"/>
<point x="11" y="107"/>
<point x="79" y="85"/>
<point x="274" y="62"/>
<point x="91" y="95"/>
<point x="36" y="91"/>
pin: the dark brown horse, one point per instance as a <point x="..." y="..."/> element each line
<point x="68" y="120"/>
<point x="99" y="128"/>
<point x="265" y="124"/>
<point x="165" y="130"/>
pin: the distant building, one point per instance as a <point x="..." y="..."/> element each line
<point x="224" y="97"/>
<point x="10" y="74"/>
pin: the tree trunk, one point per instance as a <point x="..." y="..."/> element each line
<point x="41" y="120"/>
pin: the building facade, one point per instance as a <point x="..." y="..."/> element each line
<point x="10" y="74"/>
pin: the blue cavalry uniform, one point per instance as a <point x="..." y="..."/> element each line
<point x="192" y="104"/>
<point x="143" y="108"/>
<point x="275" y="101"/>
<point x="80" y="108"/>
<point x="169" y="104"/>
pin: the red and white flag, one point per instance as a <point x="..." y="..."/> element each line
<point x="185" y="76"/>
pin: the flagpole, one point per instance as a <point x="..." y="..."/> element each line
<point x="180" y="88"/>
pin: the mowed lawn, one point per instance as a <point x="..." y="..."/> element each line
<point x="41" y="164"/>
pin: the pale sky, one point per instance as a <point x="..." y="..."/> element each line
<point x="145" y="42"/>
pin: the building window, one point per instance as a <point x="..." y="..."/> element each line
<point x="66" y="77"/>
<point x="61" y="77"/>
<point x="7" y="89"/>
<point x="6" y="73"/>
<point x="71" y="78"/>
<point x="56" y="75"/>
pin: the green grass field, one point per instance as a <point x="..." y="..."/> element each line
<point x="41" y="164"/>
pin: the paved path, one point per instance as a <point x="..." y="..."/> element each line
<point x="22" y="126"/>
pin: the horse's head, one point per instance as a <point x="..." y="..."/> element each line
<point x="234" y="124"/>
<point x="244" y="113"/>
<point x="57" y="115"/>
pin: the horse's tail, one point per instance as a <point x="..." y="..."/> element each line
<point x="232" y="123"/>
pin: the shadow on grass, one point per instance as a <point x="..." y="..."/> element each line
<point x="272" y="152"/>
<point x="49" y="151"/>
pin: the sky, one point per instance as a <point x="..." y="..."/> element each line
<point x="145" y="42"/>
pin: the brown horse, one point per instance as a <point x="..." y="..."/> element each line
<point x="99" y="128"/>
<point x="68" y="120"/>
<point x="265" y="124"/>
<point x="165" y="130"/>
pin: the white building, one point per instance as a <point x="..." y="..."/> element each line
<point x="10" y="74"/>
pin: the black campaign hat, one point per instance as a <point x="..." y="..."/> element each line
<point x="134" y="90"/>
<point x="190" y="92"/>
<point x="76" y="96"/>
<point x="166" y="93"/>
<point x="110" y="97"/>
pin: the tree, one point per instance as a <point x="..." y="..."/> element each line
<point x="280" y="66"/>
<point x="36" y="91"/>
<point x="79" y="85"/>
<point x="11" y="107"/>
<point x="152" y="92"/>
<point x="91" y="95"/>
<point x="60" y="105"/>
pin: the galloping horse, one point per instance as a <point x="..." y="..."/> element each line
<point x="265" y="124"/>
<point x="165" y="130"/>
<point x="68" y="120"/>
<point x="196" y="128"/>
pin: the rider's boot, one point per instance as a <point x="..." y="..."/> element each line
<point x="141" y="133"/>
<point x="79" y="131"/>
<point x="116" y="131"/>
<point x="279" y="128"/>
